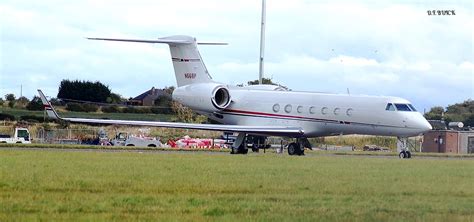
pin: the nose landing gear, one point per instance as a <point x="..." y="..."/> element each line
<point x="402" y="148"/>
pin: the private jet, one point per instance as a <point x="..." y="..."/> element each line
<point x="269" y="110"/>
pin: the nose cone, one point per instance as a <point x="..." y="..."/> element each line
<point x="423" y="125"/>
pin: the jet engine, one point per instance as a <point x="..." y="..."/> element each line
<point x="208" y="97"/>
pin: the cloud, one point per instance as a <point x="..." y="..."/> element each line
<point x="390" y="48"/>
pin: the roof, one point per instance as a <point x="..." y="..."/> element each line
<point x="152" y="92"/>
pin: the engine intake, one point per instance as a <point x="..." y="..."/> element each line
<point x="221" y="98"/>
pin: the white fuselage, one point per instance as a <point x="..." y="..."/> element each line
<point x="266" y="109"/>
<point x="319" y="114"/>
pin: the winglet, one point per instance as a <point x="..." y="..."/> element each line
<point x="48" y="107"/>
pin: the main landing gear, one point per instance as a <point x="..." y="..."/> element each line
<point x="239" y="147"/>
<point x="402" y="148"/>
<point x="294" y="148"/>
<point x="297" y="148"/>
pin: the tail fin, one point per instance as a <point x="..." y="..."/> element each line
<point x="48" y="107"/>
<point x="187" y="62"/>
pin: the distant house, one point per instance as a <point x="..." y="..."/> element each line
<point x="147" y="98"/>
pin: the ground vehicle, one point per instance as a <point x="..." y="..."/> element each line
<point x="125" y="139"/>
<point x="21" y="135"/>
<point x="188" y="142"/>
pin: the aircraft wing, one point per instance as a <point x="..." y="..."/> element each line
<point x="264" y="130"/>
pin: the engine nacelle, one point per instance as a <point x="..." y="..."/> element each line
<point x="203" y="96"/>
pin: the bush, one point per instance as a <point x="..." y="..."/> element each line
<point x="90" y="107"/>
<point x="33" y="118"/>
<point x="57" y="102"/>
<point x="74" y="107"/>
<point x="131" y="109"/>
<point x="111" y="109"/>
<point x="161" y="110"/>
<point x="35" y="104"/>
<point x="4" y="116"/>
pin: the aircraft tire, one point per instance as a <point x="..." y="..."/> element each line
<point x="408" y="154"/>
<point x="255" y="148"/>
<point x="239" y="150"/>
<point x="294" y="149"/>
<point x="402" y="155"/>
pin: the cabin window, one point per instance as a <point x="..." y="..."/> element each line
<point x="349" y="112"/>
<point x="312" y="109"/>
<point x="402" y="107"/>
<point x="324" y="110"/>
<point x="288" y="108"/>
<point x="411" y="107"/>
<point x="336" y="111"/>
<point x="276" y="108"/>
<point x="390" y="107"/>
<point x="299" y="109"/>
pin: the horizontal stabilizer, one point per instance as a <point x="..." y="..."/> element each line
<point x="166" y="41"/>
<point x="160" y="40"/>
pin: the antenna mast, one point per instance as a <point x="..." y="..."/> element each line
<point x="262" y="44"/>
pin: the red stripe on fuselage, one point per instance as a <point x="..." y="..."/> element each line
<point x="274" y="115"/>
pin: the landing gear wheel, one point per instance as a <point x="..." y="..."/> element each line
<point x="408" y="154"/>
<point x="238" y="150"/>
<point x="255" y="148"/>
<point x="402" y="154"/>
<point x="294" y="149"/>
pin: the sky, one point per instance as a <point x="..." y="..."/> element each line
<point x="391" y="48"/>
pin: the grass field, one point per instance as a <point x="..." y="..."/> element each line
<point x="104" y="186"/>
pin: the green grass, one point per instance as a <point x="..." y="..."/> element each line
<point x="52" y="185"/>
<point x="123" y="116"/>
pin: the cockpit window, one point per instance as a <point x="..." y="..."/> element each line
<point x="390" y="107"/>
<point x="402" y="107"/>
<point x="411" y="107"/>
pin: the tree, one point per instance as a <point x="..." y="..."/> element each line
<point x="459" y="112"/>
<point x="84" y="91"/>
<point x="35" y="104"/>
<point x="469" y="121"/>
<point x="115" y="98"/>
<point x="22" y="102"/>
<point x="185" y="114"/>
<point x="164" y="102"/>
<point x="267" y="81"/>
<point x="11" y="99"/>
<point x="435" y="113"/>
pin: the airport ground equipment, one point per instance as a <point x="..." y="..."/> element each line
<point x="21" y="135"/>
<point x="125" y="139"/>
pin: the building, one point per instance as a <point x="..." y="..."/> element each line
<point x="147" y="98"/>
<point x="448" y="141"/>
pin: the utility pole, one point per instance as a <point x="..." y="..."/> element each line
<point x="262" y="44"/>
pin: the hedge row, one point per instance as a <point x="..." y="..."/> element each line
<point x="130" y="109"/>
<point x="26" y="118"/>
<point x="77" y="107"/>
